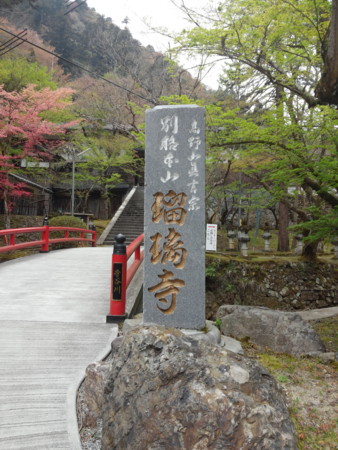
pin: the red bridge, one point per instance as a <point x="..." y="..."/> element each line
<point x="53" y="309"/>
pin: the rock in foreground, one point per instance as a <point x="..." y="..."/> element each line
<point x="282" y="332"/>
<point x="168" y="391"/>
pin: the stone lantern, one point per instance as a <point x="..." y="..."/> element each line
<point x="299" y="247"/>
<point x="231" y="236"/>
<point x="243" y="238"/>
<point x="267" y="236"/>
<point x="92" y="227"/>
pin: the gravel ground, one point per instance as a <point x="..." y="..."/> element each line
<point x="91" y="437"/>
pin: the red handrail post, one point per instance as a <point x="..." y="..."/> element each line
<point x="45" y="238"/>
<point x="118" y="282"/>
<point x="12" y="239"/>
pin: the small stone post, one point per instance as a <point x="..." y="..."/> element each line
<point x="90" y="227"/>
<point x="174" y="217"/>
<point x="267" y="236"/>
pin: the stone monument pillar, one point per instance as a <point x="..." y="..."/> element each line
<point x="174" y="217"/>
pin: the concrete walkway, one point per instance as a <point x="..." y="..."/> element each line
<point x="52" y="325"/>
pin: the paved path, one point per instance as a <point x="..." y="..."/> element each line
<point x="52" y="325"/>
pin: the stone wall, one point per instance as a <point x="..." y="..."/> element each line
<point x="278" y="285"/>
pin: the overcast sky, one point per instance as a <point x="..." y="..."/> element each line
<point x="159" y="13"/>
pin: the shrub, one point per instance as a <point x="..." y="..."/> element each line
<point x="66" y="221"/>
<point x="211" y="271"/>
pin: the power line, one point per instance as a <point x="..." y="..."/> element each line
<point x="10" y="49"/>
<point x="72" y="3"/>
<point x="153" y="102"/>
<point x="5" y="44"/>
<point x="10" y="44"/>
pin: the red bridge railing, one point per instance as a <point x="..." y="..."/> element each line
<point x="121" y="276"/>
<point x="8" y="237"/>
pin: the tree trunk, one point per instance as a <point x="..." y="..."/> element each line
<point x="85" y="201"/>
<point x="272" y="210"/>
<point x="283" y="235"/>
<point x="107" y="209"/>
<point x="283" y="209"/>
<point x="309" y="252"/>
<point x="326" y="90"/>
<point x="7" y="210"/>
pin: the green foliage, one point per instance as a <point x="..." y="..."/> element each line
<point x="180" y="100"/>
<point x="323" y="226"/>
<point x="99" y="165"/>
<point x="274" y="130"/>
<point x="65" y="221"/>
<point x="283" y="379"/>
<point x="17" y="73"/>
<point x="268" y="150"/>
<point x="218" y="323"/>
<point x="211" y="270"/>
<point x="228" y="287"/>
<point x="58" y="116"/>
<point x="263" y="41"/>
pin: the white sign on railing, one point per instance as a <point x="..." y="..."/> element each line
<point x="211" y="238"/>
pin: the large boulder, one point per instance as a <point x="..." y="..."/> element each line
<point x="282" y="332"/>
<point x="91" y="394"/>
<point x="169" y="391"/>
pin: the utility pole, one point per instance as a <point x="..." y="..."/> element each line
<point x="74" y="155"/>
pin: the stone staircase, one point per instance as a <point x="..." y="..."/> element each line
<point x="131" y="221"/>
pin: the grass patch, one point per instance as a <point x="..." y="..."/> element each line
<point x="277" y="258"/>
<point x="310" y="388"/>
<point x="327" y="329"/>
<point x="100" y="226"/>
<point x="17" y="254"/>
<point x="314" y="434"/>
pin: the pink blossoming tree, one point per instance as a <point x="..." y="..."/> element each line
<point x="24" y="133"/>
